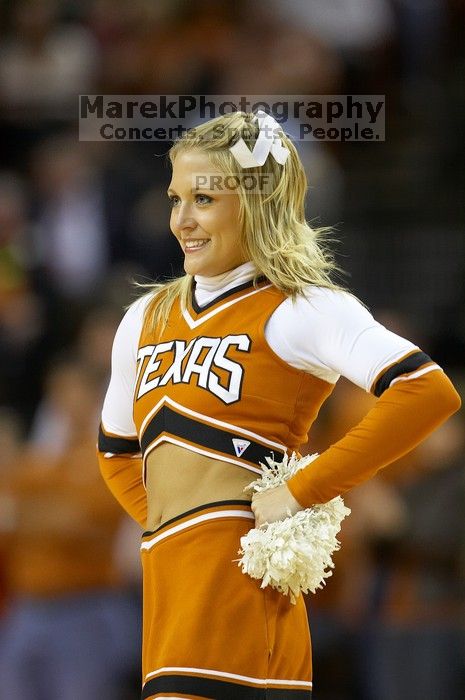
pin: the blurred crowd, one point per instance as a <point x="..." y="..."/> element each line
<point x="80" y="221"/>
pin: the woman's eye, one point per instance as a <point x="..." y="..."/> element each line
<point x="203" y="199"/>
<point x="199" y="198"/>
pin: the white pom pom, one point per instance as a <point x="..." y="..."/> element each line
<point x="293" y="555"/>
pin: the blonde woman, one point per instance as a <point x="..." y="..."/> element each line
<point x="218" y="369"/>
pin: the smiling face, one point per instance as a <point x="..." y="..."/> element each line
<point x="205" y="221"/>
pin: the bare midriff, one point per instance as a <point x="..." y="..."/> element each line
<point x="179" y="479"/>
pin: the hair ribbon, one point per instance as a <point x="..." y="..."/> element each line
<point x="267" y="142"/>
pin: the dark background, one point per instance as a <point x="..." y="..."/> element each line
<point x="79" y="221"/>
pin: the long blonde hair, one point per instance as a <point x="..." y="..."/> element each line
<point x="274" y="233"/>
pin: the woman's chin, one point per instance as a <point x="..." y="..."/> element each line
<point x="195" y="264"/>
<point x="192" y="267"/>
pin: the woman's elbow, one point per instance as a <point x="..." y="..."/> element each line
<point x="455" y="401"/>
<point x="445" y="394"/>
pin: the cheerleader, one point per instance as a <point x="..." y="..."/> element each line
<point x="219" y="369"/>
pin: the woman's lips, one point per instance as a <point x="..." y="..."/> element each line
<point x="194" y="246"/>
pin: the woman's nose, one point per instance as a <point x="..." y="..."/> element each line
<point x="184" y="218"/>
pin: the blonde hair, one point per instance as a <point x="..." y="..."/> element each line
<point x="274" y="233"/>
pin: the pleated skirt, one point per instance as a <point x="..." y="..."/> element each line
<point x="210" y="631"/>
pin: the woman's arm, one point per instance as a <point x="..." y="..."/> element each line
<point x="415" y="397"/>
<point x="402" y="417"/>
<point x="118" y="448"/>
<point x="122" y="472"/>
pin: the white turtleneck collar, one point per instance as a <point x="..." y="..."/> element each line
<point x="208" y="288"/>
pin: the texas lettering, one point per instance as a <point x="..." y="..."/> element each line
<point x="178" y="361"/>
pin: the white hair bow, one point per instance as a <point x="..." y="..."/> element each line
<point x="268" y="141"/>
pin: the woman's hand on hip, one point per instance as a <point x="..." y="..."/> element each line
<point x="274" y="504"/>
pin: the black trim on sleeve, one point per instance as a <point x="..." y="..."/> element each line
<point x="409" y="364"/>
<point x="222" y="690"/>
<point x="117" y="445"/>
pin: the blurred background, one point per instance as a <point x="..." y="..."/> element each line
<point x="79" y="221"/>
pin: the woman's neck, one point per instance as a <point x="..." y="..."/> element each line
<point x="208" y="288"/>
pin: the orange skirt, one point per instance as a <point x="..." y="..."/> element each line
<point x="209" y="630"/>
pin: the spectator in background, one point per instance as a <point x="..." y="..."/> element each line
<point x="70" y="631"/>
<point x="44" y="63"/>
<point x="342" y="607"/>
<point x="13" y="232"/>
<point x="415" y="646"/>
<point x="95" y="339"/>
<point x="10" y="447"/>
<point x="84" y="198"/>
<point x="72" y="244"/>
<point x="83" y="206"/>
<point x="290" y="59"/>
<point x="52" y="426"/>
<point x="351" y="27"/>
<point x="150" y="236"/>
<point x="22" y="323"/>
<point x="142" y="48"/>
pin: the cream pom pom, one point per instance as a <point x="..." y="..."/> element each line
<point x="293" y="555"/>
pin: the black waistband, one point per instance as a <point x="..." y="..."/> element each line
<point x="235" y="502"/>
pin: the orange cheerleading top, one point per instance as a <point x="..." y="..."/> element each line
<point x="228" y="396"/>
<point x="243" y="377"/>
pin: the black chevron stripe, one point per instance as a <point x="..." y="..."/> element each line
<point x="200" y="434"/>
